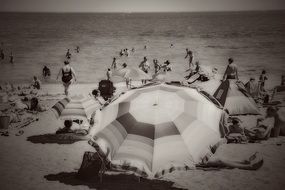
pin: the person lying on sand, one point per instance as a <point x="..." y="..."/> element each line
<point x="67" y="129"/>
<point x="254" y="162"/>
<point x="261" y="131"/>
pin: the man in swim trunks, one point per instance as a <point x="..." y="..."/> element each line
<point x="231" y="70"/>
<point x="67" y="73"/>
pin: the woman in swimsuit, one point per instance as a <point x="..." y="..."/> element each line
<point x="68" y="74"/>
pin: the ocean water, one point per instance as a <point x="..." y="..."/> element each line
<point x="256" y="41"/>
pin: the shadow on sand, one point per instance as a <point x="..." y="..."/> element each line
<point x="112" y="182"/>
<point x="68" y="138"/>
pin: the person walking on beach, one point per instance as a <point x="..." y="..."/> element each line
<point x="46" y="72"/>
<point x="114" y="63"/>
<point x="67" y="73"/>
<point x="262" y="79"/>
<point x="189" y="54"/>
<point x="109" y="74"/>
<point x="231" y="70"/>
<point x="156" y="66"/>
<point x="68" y="54"/>
<point x="11" y="58"/>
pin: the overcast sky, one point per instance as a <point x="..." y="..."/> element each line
<point x="138" y="5"/>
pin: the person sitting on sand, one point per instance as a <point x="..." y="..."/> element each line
<point x="36" y="83"/>
<point x="279" y="121"/>
<point x="231" y="70"/>
<point x="67" y="129"/>
<point x="68" y="74"/>
<point x="252" y="88"/>
<point x="97" y="97"/>
<point x="262" y="129"/>
<point x="194" y="71"/>
<point x="236" y="132"/>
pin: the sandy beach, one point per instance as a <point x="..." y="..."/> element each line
<point x="33" y="156"/>
<point x="30" y="162"/>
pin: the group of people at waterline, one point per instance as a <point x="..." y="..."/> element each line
<point x="68" y="75"/>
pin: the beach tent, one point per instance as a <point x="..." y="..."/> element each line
<point x="234" y="97"/>
<point x="77" y="107"/>
<point x="157" y="129"/>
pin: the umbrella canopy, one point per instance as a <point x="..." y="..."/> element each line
<point x="77" y="107"/>
<point x="158" y="129"/>
<point x="132" y="73"/>
<point x="236" y="99"/>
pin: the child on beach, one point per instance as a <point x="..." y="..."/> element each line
<point x="67" y="73"/>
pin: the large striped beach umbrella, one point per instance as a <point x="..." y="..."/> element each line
<point x="77" y="107"/>
<point x="157" y="129"/>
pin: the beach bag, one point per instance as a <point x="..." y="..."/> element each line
<point x="91" y="166"/>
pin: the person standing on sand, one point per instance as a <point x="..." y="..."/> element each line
<point x="109" y="74"/>
<point x="156" y="66"/>
<point x="46" y="72"/>
<point x="77" y="49"/>
<point x="189" y="54"/>
<point x="231" y="70"/>
<point x="11" y="58"/>
<point x="67" y="73"/>
<point x="262" y="79"/>
<point x="2" y="55"/>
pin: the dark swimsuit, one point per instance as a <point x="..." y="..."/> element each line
<point x="66" y="76"/>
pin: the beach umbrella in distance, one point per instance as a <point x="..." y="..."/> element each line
<point x="77" y="107"/>
<point x="132" y="73"/>
<point x="157" y="129"/>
